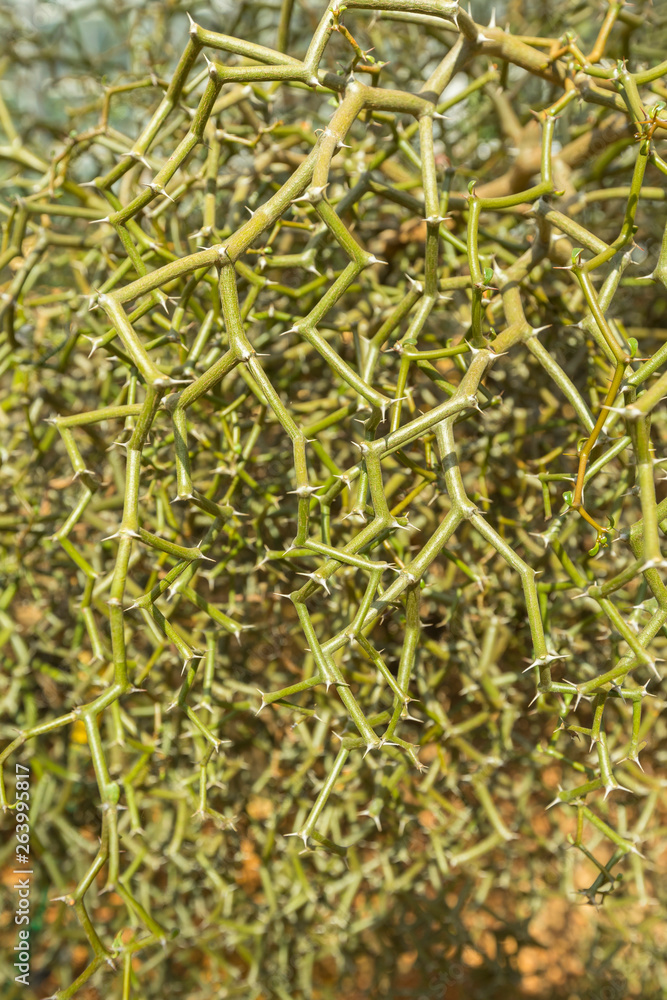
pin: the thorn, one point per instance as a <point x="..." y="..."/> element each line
<point x="547" y="658"/>
<point x="304" y="491"/>
<point x="376" y="819"/>
<point x="122" y="533"/>
<point x="313" y="196"/>
<point x="304" y="837"/>
<point x="94" y="344"/>
<point x="557" y="801"/>
<point x="630" y="412"/>
<point x="614" y="788"/>
<point x="319" y="580"/>
<point x="579" y="694"/>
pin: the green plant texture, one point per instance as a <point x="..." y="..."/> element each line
<point x="333" y="353"/>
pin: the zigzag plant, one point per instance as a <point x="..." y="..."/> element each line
<point x="269" y="398"/>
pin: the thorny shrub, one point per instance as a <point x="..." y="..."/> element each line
<point x="333" y="604"/>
